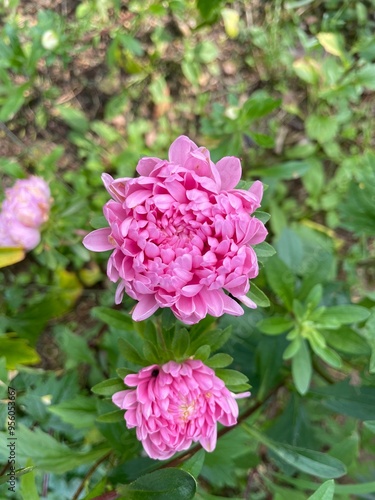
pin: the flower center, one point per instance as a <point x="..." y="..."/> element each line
<point x="186" y="410"/>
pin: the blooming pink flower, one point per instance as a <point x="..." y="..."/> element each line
<point x="175" y="405"/>
<point x="24" y="210"/>
<point x="182" y="234"/>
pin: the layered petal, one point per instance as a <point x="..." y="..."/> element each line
<point x="176" y="404"/>
<point x="181" y="234"/>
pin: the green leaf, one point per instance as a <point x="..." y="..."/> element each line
<point x="257" y="296"/>
<point x="17" y="352"/>
<point x="108" y="387"/>
<point x="290" y="249"/>
<point x="336" y="316"/>
<point x="258" y="105"/>
<point x="113" y="318"/>
<point x="322" y="128"/>
<point x="333" y="43"/>
<point x="220" y="360"/>
<point x="262" y="140"/>
<point x="275" y="325"/>
<point x="262" y="216"/>
<point x="19" y="472"/>
<point x="357" y="402"/>
<point x="9" y="256"/>
<point x="325" y="491"/>
<point x="287" y="170"/>
<point x="370" y="424"/>
<point x="264" y="250"/>
<point x="194" y="464"/>
<point x="309" y="461"/>
<point x="293" y="347"/>
<point x="75" y="118"/>
<point x="129" y="353"/>
<point x="366" y="76"/>
<point x="281" y="280"/>
<point x="80" y="411"/>
<point x="122" y="372"/>
<point x="28" y="487"/>
<point x="327" y="355"/>
<point x="314" y="297"/>
<point x="111" y="417"/>
<point x="47" y="453"/>
<point x="164" y="484"/>
<point x="203" y="353"/>
<point x="180" y="343"/>
<point x="308" y="70"/>
<point x="231" y="377"/>
<point x="302" y="368"/>
<point x="14" y="101"/>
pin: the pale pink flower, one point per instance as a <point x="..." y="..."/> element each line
<point x="182" y="234"/>
<point x="175" y="405"/>
<point x="24" y="210"/>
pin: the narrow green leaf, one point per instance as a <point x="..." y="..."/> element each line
<point x="325" y="491"/>
<point x="302" y="368"/>
<point x="275" y="325"/>
<point x="108" y="387"/>
<point x="129" y="353"/>
<point x="113" y="318"/>
<point x="111" y="417"/>
<point x="343" y="315"/>
<point x="180" y="342"/>
<point x="309" y="461"/>
<point x="327" y="355"/>
<point x="257" y="296"/>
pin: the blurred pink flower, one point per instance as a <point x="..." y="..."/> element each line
<point x="175" y="405"/>
<point x="182" y="234"/>
<point x="24" y="210"/>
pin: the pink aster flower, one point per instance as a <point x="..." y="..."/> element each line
<point x="175" y="405"/>
<point x="24" y="210"/>
<point x="182" y="235"/>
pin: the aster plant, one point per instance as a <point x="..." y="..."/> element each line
<point x="182" y="236"/>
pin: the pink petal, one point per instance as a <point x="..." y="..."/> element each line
<point x="180" y="149"/>
<point x="146" y="165"/>
<point x="97" y="241"/>
<point x="230" y="172"/>
<point x="248" y="302"/>
<point x="209" y="443"/>
<point x="231" y="306"/>
<point x="119" y="397"/>
<point x="145" y="307"/>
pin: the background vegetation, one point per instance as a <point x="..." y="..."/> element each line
<point x="90" y="87"/>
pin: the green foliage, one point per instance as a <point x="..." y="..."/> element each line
<point x="165" y="484"/>
<point x="285" y="86"/>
